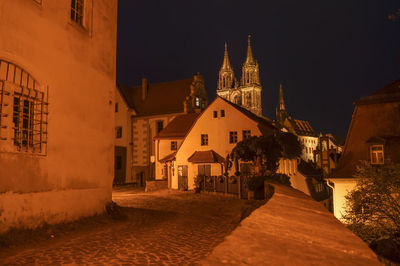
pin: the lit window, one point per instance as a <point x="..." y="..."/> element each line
<point x="174" y="145"/>
<point x="222" y="113"/>
<point x="160" y="126"/>
<point x="215" y="114"/>
<point x="77" y="11"/>
<point x="377" y="156"/>
<point x="118" y="132"/>
<point x="197" y="102"/>
<point x="204" y="139"/>
<point x="233" y="137"/>
<point x="246" y="134"/>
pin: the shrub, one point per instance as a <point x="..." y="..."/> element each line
<point x="279" y="178"/>
<point x="254" y="182"/>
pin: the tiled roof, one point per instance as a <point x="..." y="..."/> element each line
<point x="206" y="157"/>
<point x="168" y="158"/>
<point x="303" y="127"/>
<point x="179" y="126"/>
<point x="388" y="93"/>
<point x="162" y="98"/>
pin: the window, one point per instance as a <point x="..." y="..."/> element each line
<point x="377" y="156"/>
<point x="204" y="139"/>
<point x="160" y="126"/>
<point x="116" y="107"/>
<point x="246" y="134"/>
<point x="174" y="145"/>
<point x="204" y="170"/>
<point x="24" y="101"/>
<point x="118" y="132"/>
<point x="77" y="11"/>
<point x="197" y="102"/>
<point x="215" y="114"/>
<point x="233" y="137"/>
<point x="222" y="113"/>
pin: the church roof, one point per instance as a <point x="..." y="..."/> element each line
<point x="249" y="58"/>
<point x="178" y="127"/>
<point x="162" y="98"/>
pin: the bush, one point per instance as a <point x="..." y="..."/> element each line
<point x="279" y="178"/>
<point x="198" y="180"/>
<point x="254" y="182"/>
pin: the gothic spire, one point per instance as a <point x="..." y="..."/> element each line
<point x="281" y="100"/>
<point x="249" y="58"/>
<point x="226" y="65"/>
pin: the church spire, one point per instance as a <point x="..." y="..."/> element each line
<point x="226" y="65"/>
<point x="249" y="58"/>
<point x="226" y="76"/>
<point x="281" y="100"/>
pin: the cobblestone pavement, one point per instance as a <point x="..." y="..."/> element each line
<point x="160" y="228"/>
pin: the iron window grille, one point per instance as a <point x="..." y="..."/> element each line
<point x="23" y="111"/>
<point x="77" y="9"/>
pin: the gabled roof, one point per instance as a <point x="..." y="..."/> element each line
<point x="303" y="127"/>
<point x="264" y="123"/>
<point x="178" y="127"/>
<point x="388" y="93"/>
<point x="206" y="157"/>
<point x="168" y="158"/>
<point x="162" y="98"/>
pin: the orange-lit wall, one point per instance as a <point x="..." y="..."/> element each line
<point x="218" y="137"/>
<point x="78" y="66"/>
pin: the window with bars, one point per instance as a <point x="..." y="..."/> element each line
<point x="23" y="111"/>
<point x="77" y="11"/>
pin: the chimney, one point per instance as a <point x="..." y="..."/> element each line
<point x="145" y="87"/>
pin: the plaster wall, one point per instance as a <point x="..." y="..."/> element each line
<point x="77" y="65"/>
<point x="123" y="119"/>
<point x="341" y="189"/>
<point x="218" y="136"/>
<point x="163" y="148"/>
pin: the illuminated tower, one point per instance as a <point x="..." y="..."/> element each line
<point x="227" y="85"/>
<point x="281" y="113"/>
<point x="250" y="85"/>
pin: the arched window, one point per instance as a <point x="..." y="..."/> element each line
<point x="23" y="110"/>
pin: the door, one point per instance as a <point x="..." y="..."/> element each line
<point x="119" y="165"/>
<point x="182" y="177"/>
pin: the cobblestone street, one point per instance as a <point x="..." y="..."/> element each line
<point x="160" y="228"/>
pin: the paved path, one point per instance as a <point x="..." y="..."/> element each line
<point x="160" y="228"/>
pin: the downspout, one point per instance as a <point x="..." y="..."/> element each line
<point x="333" y="189"/>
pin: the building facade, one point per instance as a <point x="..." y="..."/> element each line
<point x="151" y="108"/>
<point x="247" y="92"/>
<point x="373" y="136"/>
<point x="57" y="76"/>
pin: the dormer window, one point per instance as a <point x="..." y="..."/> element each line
<point x="377" y="155"/>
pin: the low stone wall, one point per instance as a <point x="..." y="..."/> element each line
<point x="31" y="210"/>
<point x="291" y="229"/>
<point x="156" y="185"/>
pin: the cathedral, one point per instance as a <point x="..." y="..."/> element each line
<point x="247" y="93"/>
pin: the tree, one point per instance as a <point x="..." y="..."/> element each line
<point x="373" y="207"/>
<point x="266" y="151"/>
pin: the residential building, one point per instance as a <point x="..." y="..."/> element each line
<point x="373" y="136"/>
<point x="204" y="141"/>
<point x="301" y="128"/>
<point x="57" y="76"/>
<point x="247" y="93"/>
<point x="152" y="107"/>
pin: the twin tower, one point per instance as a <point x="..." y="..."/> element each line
<point x="247" y="93"/>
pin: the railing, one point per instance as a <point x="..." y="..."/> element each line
<point x="231" y="185"/>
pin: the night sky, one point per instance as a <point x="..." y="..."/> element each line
<point x="326" y="54"/>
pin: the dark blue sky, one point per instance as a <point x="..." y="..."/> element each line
<point x="326" y="54"/>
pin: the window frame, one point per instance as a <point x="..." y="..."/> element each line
<point x="77" y="12"/>
<point x="233" y="138"/>
<point x="118" y="132"/>
<point x="374" y="154"/>
<point x="174" y="145"/>
<point x="204" y="139"/>
<point x="158" y="128"/>
<point x="246" y="134"/>
<point x="215" y="114"/>
<point x="222" y="113"/>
